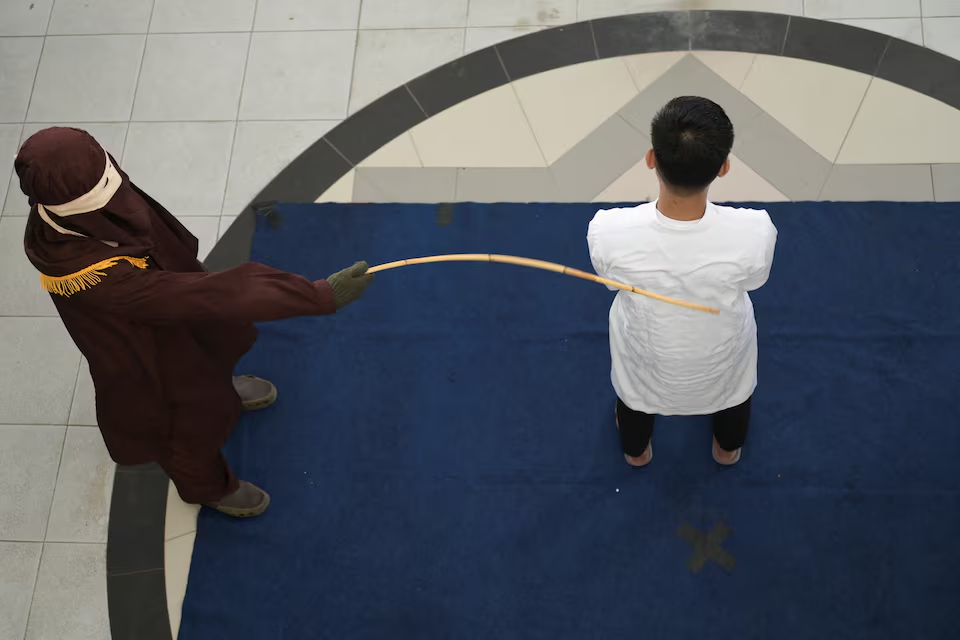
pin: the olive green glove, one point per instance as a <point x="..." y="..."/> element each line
<point x="348" y="285"/>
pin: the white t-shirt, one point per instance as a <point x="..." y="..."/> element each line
<point x="668" y="360"/>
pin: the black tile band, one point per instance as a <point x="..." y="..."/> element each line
<point x="135" y="578"/>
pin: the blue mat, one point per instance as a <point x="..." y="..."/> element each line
<point x="444" y="464"/>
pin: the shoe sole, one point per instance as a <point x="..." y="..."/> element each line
<point x="735" y="460"/>
<point x="247" y="513"/>
<point x="263" y="403"/>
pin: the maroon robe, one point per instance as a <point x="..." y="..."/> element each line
<point x="162" y="343"/>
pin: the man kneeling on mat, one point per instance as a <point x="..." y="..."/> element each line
<point x="668" y="360"/>
<point x="161" y="335"/>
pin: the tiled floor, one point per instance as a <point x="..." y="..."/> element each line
<point x="204" y="102"/>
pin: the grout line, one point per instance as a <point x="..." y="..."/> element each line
<point x="3" y="205"/>
<point x="786" y="34"/>
<point x="177" y="537"/>
<point x="933" y="184"/>
<point x="410" y="91"/>
<point x="415" y="149"/>
<point x="593" y="36"/>
<point x="56" y="482"/>
<point x="143" y="57"/>
<point x="854" y="120"/>
<point x="526" y="118"/>
<point x="353" y="64"/>
<point x="236" y="124"/>
<point x="36" y="580"/>
<point x="466" y="26"/>
<point x="496" y="50"/>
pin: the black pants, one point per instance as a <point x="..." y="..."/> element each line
<point x="729" y="428"/>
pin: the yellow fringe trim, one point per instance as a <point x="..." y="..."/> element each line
<point x="84" y="279"/>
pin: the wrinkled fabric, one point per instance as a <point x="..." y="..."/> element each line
<point x="161" y="343"/>
<point x="668" y="360"/>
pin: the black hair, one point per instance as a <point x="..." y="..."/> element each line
<point x="692" y="138"/>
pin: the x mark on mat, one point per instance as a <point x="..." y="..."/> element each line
<point x="707" y="546"/>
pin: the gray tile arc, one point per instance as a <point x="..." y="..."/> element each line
<point x="307" y="177"/>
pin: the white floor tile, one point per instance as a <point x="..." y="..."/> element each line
<point x="592" y="9"/>
<point x="20" y="290"/>
<point x="81" y="502"/>
<point x="825" y="9"/>
<point x="183" y="165"/>
<point x="284" y="80"/>
<point x="20" y="561"/>
<point x="483" y="37"/>
<point x="191" y="77"/>
<point x="207" y="231"/>
<point x="29" y="457"/>
<point x="9" y="145"/>
<point x="190" y="16"/>
<point x="883" y="134"/>
<point x="521" y="13"/>
<point x="565" y="105"/>
<point x="909" y="29"/>
<point x="86" y="79"/>
<point x="399" y="152"/>
<point x="782" y="87"/>
<point x="181" y="517"/>
<point x="743" y="184"/>
<point x="307" y="15"/>
<point x="20" y="57"/>
<point x="489" y="130"/>
<point x="24" y="17"/>
<point x="261" y="150"/>
<point x="943" y="35"/>
<point x="40" y="364"/>
<point x="732" y="66"/>
<point x="70" y="602"/>
<point x="390" y="14"/>
<point x="388" y="59"/>
<point x="341" y="190"/>
<point x="111" y="135"/>
<point x="99" y="16"/>
<point x="83" y="413"/>
<point x="938" y="8"/>
<point x="177" y="557"/>
<point x="647" y="67"/>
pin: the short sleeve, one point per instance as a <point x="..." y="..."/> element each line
<point x="760" y="269"/>
<point x="595" y="245"/>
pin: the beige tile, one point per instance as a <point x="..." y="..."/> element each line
<point x="483" y="37"/>
<point x="743" y="184"/>
<point x="181" y="517"/>
<point x="81" y="503"/>
<point x="732" y="66"/>
<point x="19" y="561"/>
<point x="341" y="191"/>
<point x="648" y="67"/>
<point x="638" y="184"/>
<point x="70" y="601"/>
<point x="399" y="152"/>
<point x="29" y="457"/>
<point x="83" y="413"/>
<point x="489" y="130"/>
<point x="909" y="29"/>
<point x="792" y="92"/>
<point x="177" y="555"/>
<point x="566" y="105"/>
<point x="899" y="126"/>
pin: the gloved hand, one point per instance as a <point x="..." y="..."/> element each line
<point x="348" y="285"/>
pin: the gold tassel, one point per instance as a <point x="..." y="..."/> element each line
<point x="84" y="279"/>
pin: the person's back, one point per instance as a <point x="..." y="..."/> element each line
<point x="669" y="360"/>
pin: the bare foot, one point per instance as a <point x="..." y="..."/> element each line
<point x="724" y="457"/>
<point x="643" y="459"/>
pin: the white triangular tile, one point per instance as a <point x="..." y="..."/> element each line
<point x="566" y="105"/>
<point x="900" y="126"/>
<point x="638" y="184"/>
<point x="341" y="190"/>
<point x="645" y="68"/>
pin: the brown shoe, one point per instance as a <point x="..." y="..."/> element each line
<point x="724" y="457"/>
<point x="255" y="393"/>
<point x="247" y="501"/>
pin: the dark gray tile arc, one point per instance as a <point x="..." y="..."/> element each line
<point x="234" y="247"/>
<point x="307" y="177"/>
<point x="550" y="49"/>
<point x="642" y="33"/>
<point x="457" y="81"/>
<point x="133" y="616"/>
<point x="744" y="31"/>
<point x="836" y="44"/>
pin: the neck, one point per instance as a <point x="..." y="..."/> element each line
<point x="683" y="208"/>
